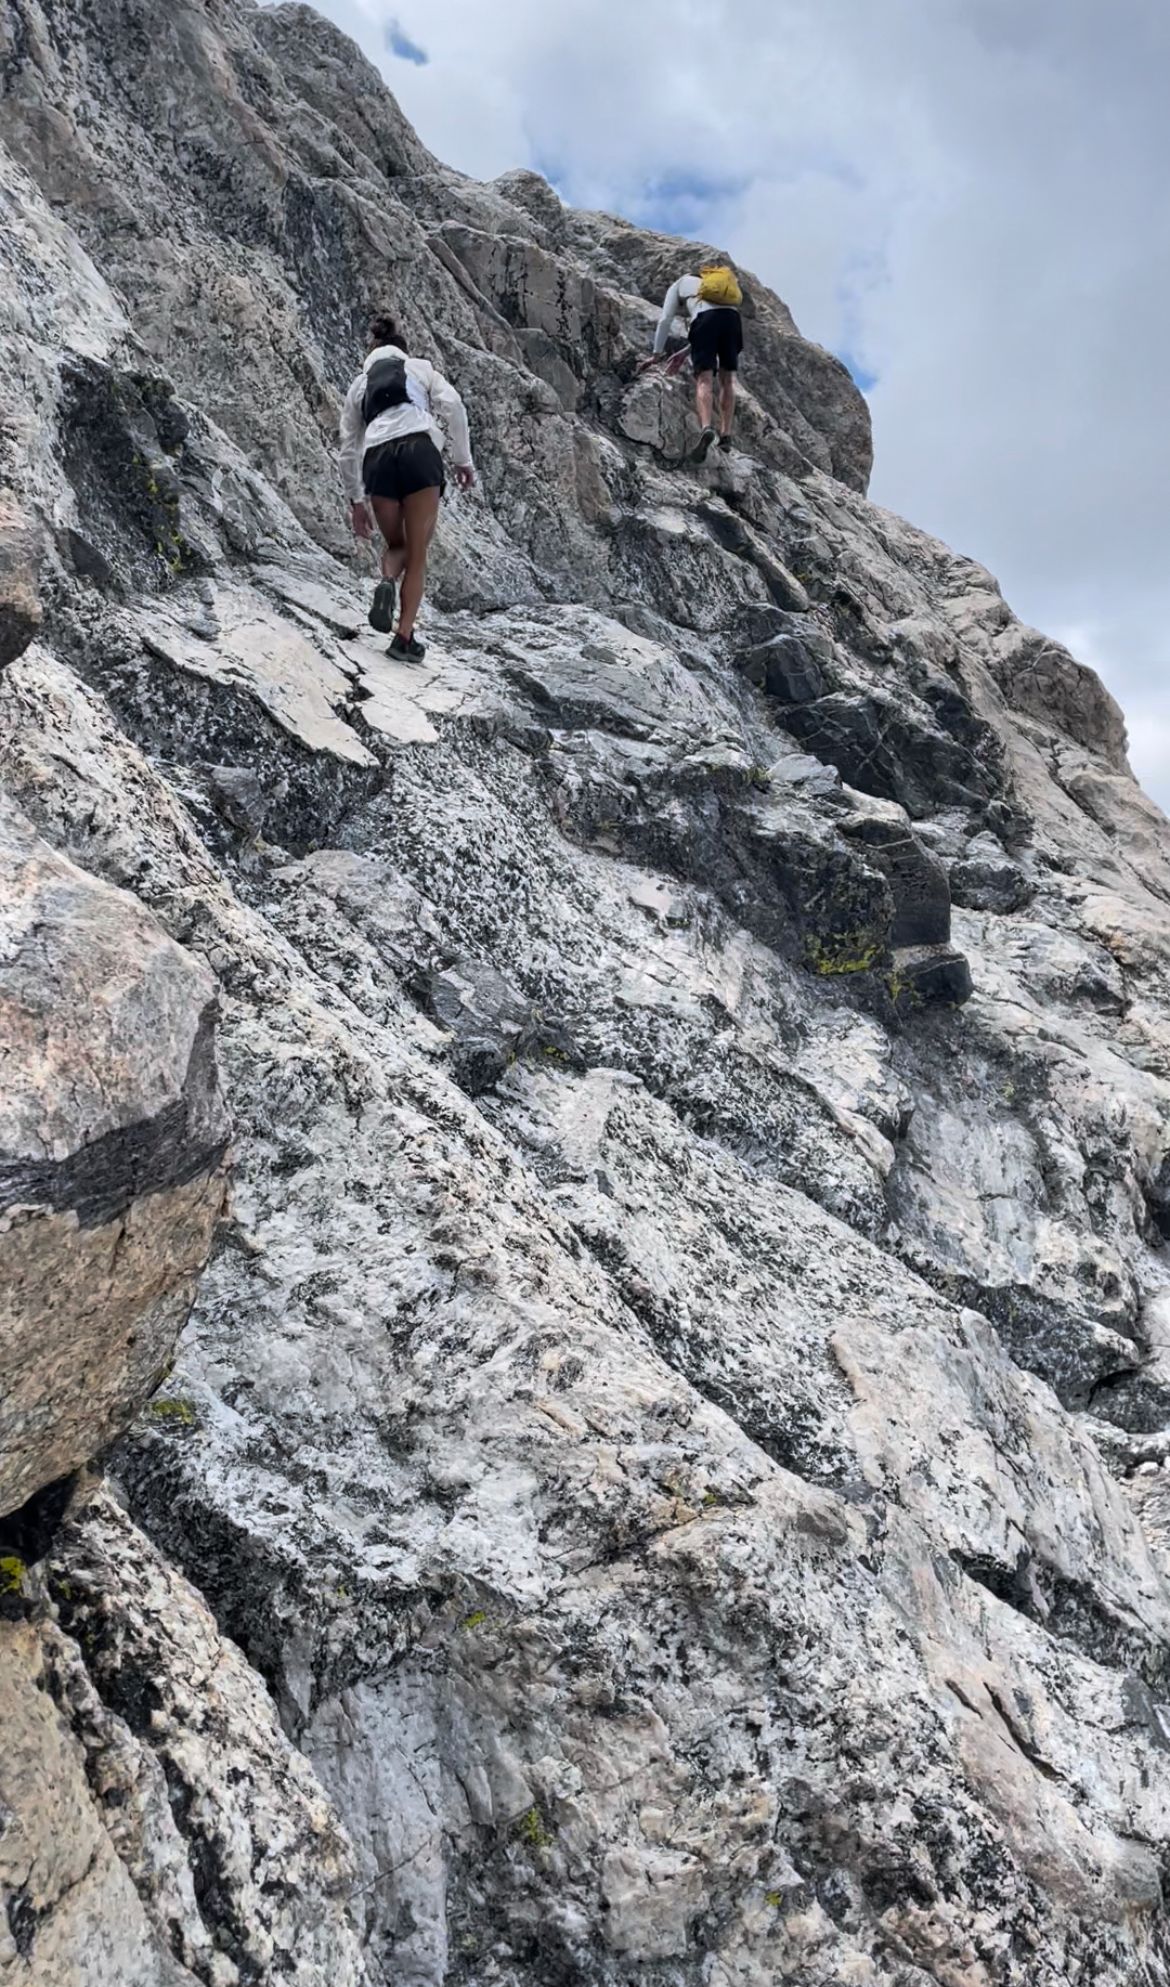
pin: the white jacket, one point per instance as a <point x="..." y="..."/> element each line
<point x="681" y="295"/>
<point x="430" y="394"/>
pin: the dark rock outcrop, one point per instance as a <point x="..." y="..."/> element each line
<point x="20" y="606"/>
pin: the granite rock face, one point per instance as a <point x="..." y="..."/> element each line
<point x="674" y="1421"/>
<point x="112" y="1137"/>
<point x="159" y="1829"/>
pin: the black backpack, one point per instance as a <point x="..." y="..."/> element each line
<point x="385" y="387"/>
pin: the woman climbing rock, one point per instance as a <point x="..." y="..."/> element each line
<point x="392" y="464"/>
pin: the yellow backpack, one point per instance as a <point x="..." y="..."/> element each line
<point x="718" y="286"/>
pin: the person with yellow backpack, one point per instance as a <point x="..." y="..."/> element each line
<point x="711" y="301"/>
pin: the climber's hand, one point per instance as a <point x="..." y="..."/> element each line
<point x="465" y="476"/>
<point x="360" y="519"/>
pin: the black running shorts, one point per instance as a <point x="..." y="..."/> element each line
<point x="403" y="467"/>
<point x="716" y="339"/>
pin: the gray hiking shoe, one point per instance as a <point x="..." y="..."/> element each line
<point x="408" y="651"/>
<point x="703" y="445"/>
<point x="725" y="444"/>
<point x="385" y="607"/>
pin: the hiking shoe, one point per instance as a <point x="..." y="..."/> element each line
<point x="702" y="446"/>
<point x="408" y="651"/>
<point x="725" y="444"/>
<point x="385" y="607"/>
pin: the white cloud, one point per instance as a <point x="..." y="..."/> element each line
<point x="966" y="195"/>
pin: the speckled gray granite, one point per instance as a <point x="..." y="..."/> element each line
<point x="662" y="1484"/>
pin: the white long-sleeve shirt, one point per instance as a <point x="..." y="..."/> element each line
<point x="429" y="395"/>
<point x="683" y="295"/>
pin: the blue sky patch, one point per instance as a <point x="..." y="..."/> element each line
<point x="680" y="203"/>
<point x="552" y="170"/>
<point x="400" y="44"/>
<point x="859" y="374"/>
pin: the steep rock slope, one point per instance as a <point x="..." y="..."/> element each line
<point x="698" y="1055"/>
<point x="132" y="1734"/>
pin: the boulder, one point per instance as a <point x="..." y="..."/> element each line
<point x="112" y="1140"/>
<point x="241" y="797"/>
<point x="930" y="976"/>
<point x="918" y="882"/>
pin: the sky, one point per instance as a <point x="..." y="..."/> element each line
<point x="965" y="199"/>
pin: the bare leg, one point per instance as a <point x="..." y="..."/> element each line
<point x="726" y="402"/>
<point x="704" y="398"/>
<point x="388" y="512"/>
<point x="420" y="514"/>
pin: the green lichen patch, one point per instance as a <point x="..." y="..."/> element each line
<point x="902" y="991"/>
<point x="843" y="952"/>
<point x="12" y="1574"/>
<point x="532" y="1829"/>
<point x="172" y="1412"/>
